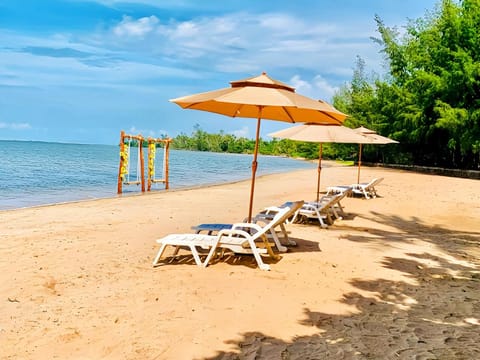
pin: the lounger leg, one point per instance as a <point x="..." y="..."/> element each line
<point x="193" y="249"/>
<point x="335" y="214"/>
<point x="279" y="246"/>
<point x="289" y="242"/>
<point x="211" y="254"/>
<point x="320" y="219"/>
<point x="258" y="257"/>
<point x="340" y="209"/>
<point x="295" y="217"/>
<point x="366" y="194"/>
<point x="175" y="252"/>
<point x="159" y="254"/>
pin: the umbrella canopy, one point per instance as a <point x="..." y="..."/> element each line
<point x="374" y="139"/>
<point x="321" y="134"/>
<point x="262" y="97"/>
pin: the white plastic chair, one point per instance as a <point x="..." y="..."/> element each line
<point x="242" y="238"/>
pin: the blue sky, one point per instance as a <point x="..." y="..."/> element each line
<point x="82" y="70"/>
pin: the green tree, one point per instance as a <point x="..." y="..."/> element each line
<point x="434" y="85"/>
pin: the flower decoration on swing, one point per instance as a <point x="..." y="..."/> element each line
<point x="151" y="159"/>
<point x="124" y="157"/>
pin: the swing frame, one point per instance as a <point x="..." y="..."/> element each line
<point x="141" y="161"/>
<point x="151" y="163"/>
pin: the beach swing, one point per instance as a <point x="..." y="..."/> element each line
<point x="125" y="175"/>
<point x="127" y="180"/>
<point x="125" y="170"/>
<point x="154" y="175"/>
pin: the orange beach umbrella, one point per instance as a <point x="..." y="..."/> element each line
<point x="262" y="97"/>
<point x="374" y="139"/>
<point x="321" y="133"/>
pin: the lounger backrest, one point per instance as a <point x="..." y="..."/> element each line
<point x="374" y="182"/>
<point x="328" y="201"/>
<point x="284" y="212"/>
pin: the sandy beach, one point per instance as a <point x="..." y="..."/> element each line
<point x="398" y="278"/>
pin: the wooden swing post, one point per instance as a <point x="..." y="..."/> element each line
<point x="121" y="163"/>
<point x="123" y="160"/>
<point x="167" y="145"/>
<point x="142" y="166"/>
<point x="151" y="161"/>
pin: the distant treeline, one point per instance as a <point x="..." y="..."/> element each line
<point x="200" y="140"/>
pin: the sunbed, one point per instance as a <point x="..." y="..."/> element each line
<point x="264" y="216"/>
<point x="324" y="210"/>
<point x="241" y="238"/>
<point x="364" y="189"/>
<point x="367" y="189"/>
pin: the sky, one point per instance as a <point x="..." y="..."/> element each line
<point x="80" y="71"/>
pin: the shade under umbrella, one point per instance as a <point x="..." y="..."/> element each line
<point x="374" y="139"/>
<point x="321" y="133"/>
<point x="262" y="97"/>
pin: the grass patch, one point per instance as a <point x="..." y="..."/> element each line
<point x="345" y="162"/>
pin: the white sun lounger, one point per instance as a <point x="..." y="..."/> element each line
<point x="242" y="238"/>
<point x="323" y="210"/>
<point x="367" y="189"/>
<point x="264" y="216"/>
<point x="339" y="189"/>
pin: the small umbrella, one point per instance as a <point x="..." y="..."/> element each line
<point x="375" y="139"/>
<point x="262" y="97"/>
<point x="321" y="134"/>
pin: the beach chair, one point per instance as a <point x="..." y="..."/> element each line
<point x="263" y="217"/>
<point x="335" y="206"/>
<point x="323" y="210"/>
<point x="367" y="189"/>
<point x="241" y="238"/>
<point x="339" y="189"/>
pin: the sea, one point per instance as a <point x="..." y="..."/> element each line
<point x="34" y="173"/>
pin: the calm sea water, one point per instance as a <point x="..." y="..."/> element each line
<point x="39" y="173"/>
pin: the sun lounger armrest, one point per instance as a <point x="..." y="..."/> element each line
<point x="232" y="232"/>
<point x="239" y="226"/>
<point x="309" y="207"/>
<point x="269" y="209"/>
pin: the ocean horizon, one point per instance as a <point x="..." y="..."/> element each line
<point x="35" y="173"/>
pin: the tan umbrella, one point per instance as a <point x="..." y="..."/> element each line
<point x="375" y="139"/>
<point x="262" y="97"/>
<point x="321" y="134"/>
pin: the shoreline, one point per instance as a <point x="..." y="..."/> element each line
<point x="139" y="192"/>
<point x="146" y="193"/>
<point x="398" y="277"/>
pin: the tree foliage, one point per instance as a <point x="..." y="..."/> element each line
<point x="200" y="140"/>
<point x="430" y="98"/>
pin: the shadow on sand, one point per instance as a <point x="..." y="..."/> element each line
<point x="241" y="259"/>
<point x="433" y="316"/>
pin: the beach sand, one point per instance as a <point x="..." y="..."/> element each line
<point x="398" y="278"/>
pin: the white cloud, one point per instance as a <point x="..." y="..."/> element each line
<point x="147" y="132"/>
<point x="243" y="132"/>
<point x="228" y="43"/>
<point x="324" y="86"/>
<point x="15" y="126"/>
<point x="135" y="28"/>
<point x="317" y="88"/>
<point x="301" y="86"/>
<point x="231" y="43"/>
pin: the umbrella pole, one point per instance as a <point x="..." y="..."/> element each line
<point x="320" y="151"/>
<point x="359" y="163"/>
<point x="254" y="164"/>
